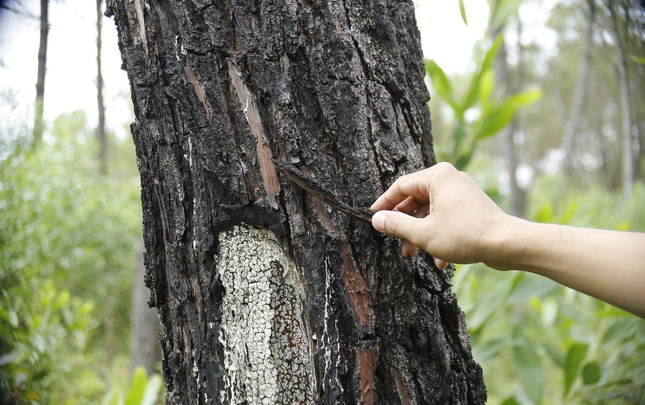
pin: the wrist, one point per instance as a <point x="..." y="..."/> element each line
<point x="507" y="246"/>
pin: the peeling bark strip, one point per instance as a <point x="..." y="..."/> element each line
<point x="265" y="294"/>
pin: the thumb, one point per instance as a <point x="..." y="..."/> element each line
<point x="397" y="224"/>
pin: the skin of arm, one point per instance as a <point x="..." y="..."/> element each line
<point x="442" y="211"/>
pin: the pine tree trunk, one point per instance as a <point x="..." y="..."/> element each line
<point x="625" y="110"/>
<point x="579" y="93"/>
<point x="100" y="129"/>
<point x="39" y="125"/>
<point x="144" y="345"/>
<point x="265" y="294"/>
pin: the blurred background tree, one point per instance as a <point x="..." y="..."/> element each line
<point x="545" y="127"/>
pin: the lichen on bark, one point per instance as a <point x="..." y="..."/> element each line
<point x="266" y="340"/>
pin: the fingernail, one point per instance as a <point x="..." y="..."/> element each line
<point x="378" y="221"/>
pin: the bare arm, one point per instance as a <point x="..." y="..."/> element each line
<point x="445" y="213"/>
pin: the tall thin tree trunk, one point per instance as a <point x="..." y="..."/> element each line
<point x="100" y="129"/>
<point x="39" y="125"/>
<point x="579" y="92"/>
<point x="628" y="158"/>
<point x="265" y="294"/>
<point x="517" y="198"/>
<point x="144" y="346"/>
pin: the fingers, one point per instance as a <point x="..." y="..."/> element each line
<point x="404" y="187"/>
<point x="408" y="249"/>
<point x="401" y="225"/>
<point x="441" y="265"/>
<point x="416" y="184"/>
<point x="411" y="204"/>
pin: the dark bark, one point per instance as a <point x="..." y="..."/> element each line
<point x="39" y="125"/>
<point x="266" y="295"/>
<point x="100" y="129"/>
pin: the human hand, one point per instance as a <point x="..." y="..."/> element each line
<point x="442" y="211"/>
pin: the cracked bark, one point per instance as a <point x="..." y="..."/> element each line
<point x="221" y="88"/>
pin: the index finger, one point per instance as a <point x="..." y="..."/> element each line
<point x="411" y="185"/>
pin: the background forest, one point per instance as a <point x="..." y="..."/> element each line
<point x="553" y="133"/>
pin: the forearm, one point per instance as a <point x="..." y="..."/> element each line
<point x="608" y="265"/>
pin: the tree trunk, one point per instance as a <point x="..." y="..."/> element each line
<point x="100" y="129"/>
<point x="144" y="347"/>
<point x="628" y="158"/>
<point x="265" y="294"/>
<point x="39" y="125"/>
<point x="579" y="92"/>
<point x="517" y="196"/>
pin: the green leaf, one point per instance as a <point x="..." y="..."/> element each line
<point x="532" y="286"/>
<point x="492" y="301"/>
<point x="568" y="213"/>
<point x="545" y="213"/>
<point x="139" y="382"/>
<point x="510" y="401"/>
<point x="501" y="116"/>
<point x="152" y="390"/>
<point x="462" y="10"/>
<point x="458" y="135"/>
<point x="114" y="397"/>
<point x="463" y="160"/>
<point x="640" y="60"/>
<point x="439" y="79"/>
<point x="555" y="354"/>
<point x="473" y="90"/>
<point x="496" y="120"/>
<point x="619" y="330"/>
<point x="576" y="354"/>
<point x="13" y="318"/>
<point x="489" y="350"/>
<point x="591" y="373"/>
<point x="486" y="87"/>
<point x="529" y="371"/>
<point x="504" y="9"/>
<point x="525" y="98"/>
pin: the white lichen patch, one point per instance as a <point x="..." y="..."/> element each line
<point x="267" y="355"/>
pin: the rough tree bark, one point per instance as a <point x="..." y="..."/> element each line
<point x="39" y="125"/>
<point x="265" y="294"/>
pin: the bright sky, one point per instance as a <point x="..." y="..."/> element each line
<point x="71" y="66"/>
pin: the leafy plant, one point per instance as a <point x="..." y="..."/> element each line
<point x="541" y="343"/>
<point x="491" y="112"/>
<point x="67" y="251"/>
<point x="143" y="390"/>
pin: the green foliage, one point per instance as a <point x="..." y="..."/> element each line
<point x="67" y="256"/>
<point x="502" y="11"/>
<point x="539" y="342"/>
<point x="493" y="112"/>
<point x="529" y="371"/>
<point x="143" y="390"/>
<point x="462" y="10"/>
<point x="575" y="355"/>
